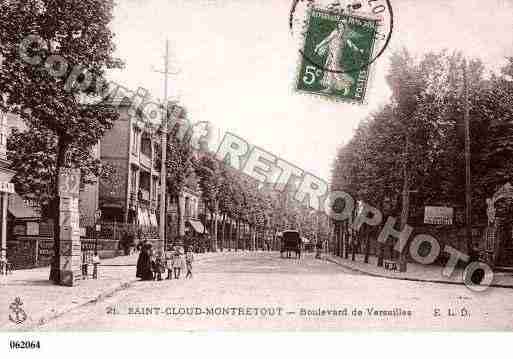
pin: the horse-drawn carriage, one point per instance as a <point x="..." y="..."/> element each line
<point x="290" y="242"/>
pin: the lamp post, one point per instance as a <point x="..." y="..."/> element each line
<point x="468" y="184"/>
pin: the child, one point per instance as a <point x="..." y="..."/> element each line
<point x="85" y="264"/>
<point x="96" y="263"/>
<point x="177" y="263"/>
<point x="169" y="264"/>
<point x="189" y="258"/>
<point x="158" y="266"/>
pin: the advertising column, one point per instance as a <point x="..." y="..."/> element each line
<point x="70" y="251"/>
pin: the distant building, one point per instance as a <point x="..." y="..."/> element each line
<point x="24" y="215"/>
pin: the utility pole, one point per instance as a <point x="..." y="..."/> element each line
<point x="405" y="201"/>
<point x="163" y="199"/>
<point x="468" y="184"/>
<point x="165" y="123"/>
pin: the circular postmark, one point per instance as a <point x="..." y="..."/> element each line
<point x="346" y="18"/>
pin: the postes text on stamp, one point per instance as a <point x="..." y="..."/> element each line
<point x="337" y="51"/>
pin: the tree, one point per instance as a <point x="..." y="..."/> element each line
<point x="494" y="167"/>
<point x="179" y="165"/>
<point x="209" y="180"/>
<point x="65" y="58"/>
<point x="32" y="154"/>
<point x="416" y="141"/>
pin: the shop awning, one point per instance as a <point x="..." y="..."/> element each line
<point x="139" y="218"/>
<point x="143" y="218"/>
<point x="198" y="226"/>
<point x="146" y="216"/>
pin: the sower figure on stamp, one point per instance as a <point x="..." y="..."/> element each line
<point x="334" y="44"/>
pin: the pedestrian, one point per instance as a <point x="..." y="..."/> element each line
<point x="159" y="265"/>
<point x="189" y="258"/>
<point x="144" y="263"/>
<point x="154" y="268"/>
<point x="96" y="263"/>
<point x="169" y="264"/>
<point x="318" y="247"/>
<point x="128" y="242"/>
<point x="86" y="258"/>
<point x="177" y="263"/>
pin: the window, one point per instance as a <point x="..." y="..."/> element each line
<point x="133" y="180"/>
<point x="154" y="189"/>
<point x="135" y="140"/>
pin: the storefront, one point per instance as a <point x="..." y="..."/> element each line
<point x="6" y="187"/>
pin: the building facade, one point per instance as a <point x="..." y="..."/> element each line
<point x="6" y="187"/>
<point x="130" y="193"/>
<point x="129" y="198"/>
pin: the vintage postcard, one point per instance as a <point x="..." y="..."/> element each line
<point x="228" y="165"/>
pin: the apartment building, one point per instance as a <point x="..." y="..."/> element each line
<point x="131" y="193"/>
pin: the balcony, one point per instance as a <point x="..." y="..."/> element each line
<point x="145" y="161"/>
<point x="134" y="159"/>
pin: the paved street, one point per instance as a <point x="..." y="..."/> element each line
<point x="259" y="290"/>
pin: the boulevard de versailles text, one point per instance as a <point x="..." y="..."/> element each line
<point x="264" y="311"/>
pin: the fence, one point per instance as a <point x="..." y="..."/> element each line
<point x="116" y="231"/>
<point x="31" y="252"/>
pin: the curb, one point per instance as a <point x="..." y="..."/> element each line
<point x="100" y="297"/>
<point x="411" y="279"/>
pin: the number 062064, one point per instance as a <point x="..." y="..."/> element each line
<point x="24" y="344"/>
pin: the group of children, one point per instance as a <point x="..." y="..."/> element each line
<point x="90" y="258"/>
<point x="173" y="262"/>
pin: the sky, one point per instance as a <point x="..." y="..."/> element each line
<point x="236" y="63"/>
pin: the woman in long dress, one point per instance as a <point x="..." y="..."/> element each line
<point x="144" y="263"/>
<point x="334" y="45"/>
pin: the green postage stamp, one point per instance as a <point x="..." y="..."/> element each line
<point x="336" y="55"/>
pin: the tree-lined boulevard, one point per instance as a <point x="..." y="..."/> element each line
<point x="313" y="294"/>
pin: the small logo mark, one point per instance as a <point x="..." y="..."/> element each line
<point x="17" y="315"/>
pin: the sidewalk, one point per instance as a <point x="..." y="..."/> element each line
<point x="415" y="272"/>
<point x="43" y="301"/>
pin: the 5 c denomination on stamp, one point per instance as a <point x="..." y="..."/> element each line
<point x="336" y="55"/>
<point x="340" y="43"/>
